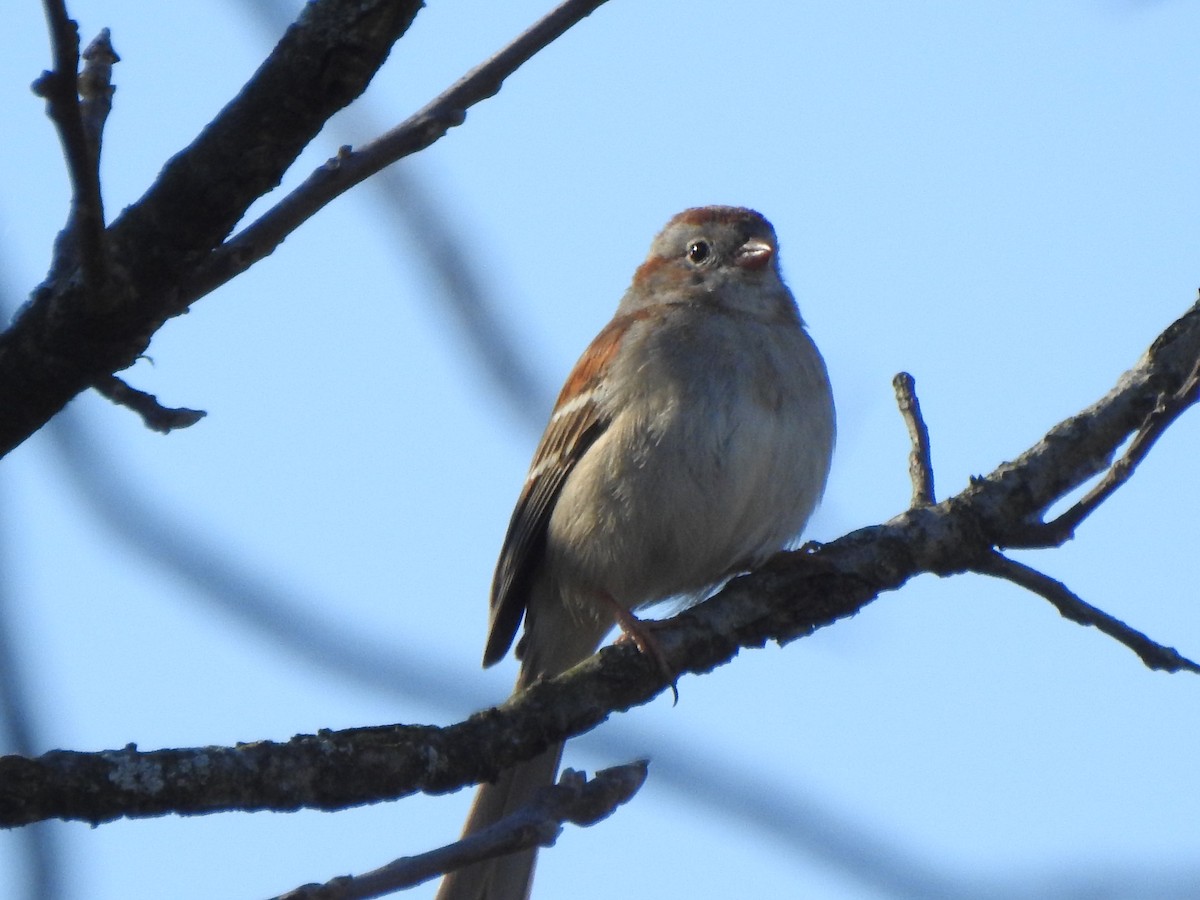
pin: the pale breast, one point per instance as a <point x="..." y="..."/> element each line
<point x="721" y="464"/>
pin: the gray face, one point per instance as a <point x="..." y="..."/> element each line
<point x="724" y="255"/>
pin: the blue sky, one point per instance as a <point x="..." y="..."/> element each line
<point x="997" y="197"/>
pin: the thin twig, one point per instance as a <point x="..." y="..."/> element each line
<point x="1071" y="606"/>
<point x="82" y="238"/>
<point x="574" y="799"/>
<point x="96" y="90"/>
<point x="163" y="419"/>
<point x="428" y="230"/>
<point x="350" y="167"/>
<point x="920" y="466"/>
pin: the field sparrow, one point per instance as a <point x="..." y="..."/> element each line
<point x="691" y="441"/>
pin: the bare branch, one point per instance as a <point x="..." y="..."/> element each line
<point x="1071" y="606"/>
<point x="163" y="419"/>
<point x="1083" y="445"/>
<point x="429" y="232"/>
<point x="68" y="336"/>
<point x="81" y="241"/>
<point x="790" y="597"/>
<point x="96" y="89"/>
<point x="407" y="669"/>
<point x="574" y="799"/>
<point x="350" y="167"/>
<point x="1168" y="409"/>
<point x="920" y="466"/>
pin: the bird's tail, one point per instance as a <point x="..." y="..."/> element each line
<point x="556" y="638"/>
<point x="507" y="877"/>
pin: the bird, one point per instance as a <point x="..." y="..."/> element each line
<point x="691" y="441"/>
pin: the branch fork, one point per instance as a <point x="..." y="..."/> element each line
<point x="989" y="560"/>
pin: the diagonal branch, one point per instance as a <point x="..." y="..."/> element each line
<point x="1168" y="409"/>
<point x="1070" y="606"/>
<point x="351" y="167"/>
<point x="1084" y="445"/>
<point x="574" y="799"/>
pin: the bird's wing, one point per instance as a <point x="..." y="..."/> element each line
<point x="578" y="420"/>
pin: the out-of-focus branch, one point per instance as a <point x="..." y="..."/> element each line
<point x="790" y="597"/>
<point x="18" y="733"/>
<point x="427" y="232"/>
<point x="505" y="361"/>
<point x="574" y="799"/>
<point x="239" y="592"/>
<point x="350" y="167"/>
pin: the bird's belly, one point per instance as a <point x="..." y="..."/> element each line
<point x="696" y="499"/>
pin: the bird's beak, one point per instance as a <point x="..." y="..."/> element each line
<point x="754" y="254"/>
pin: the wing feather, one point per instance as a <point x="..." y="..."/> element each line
<point x="578" y="420"/>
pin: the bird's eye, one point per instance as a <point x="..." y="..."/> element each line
<point x="698" y="251"/>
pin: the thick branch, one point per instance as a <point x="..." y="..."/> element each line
<point x="72" y="334"/>
<point x="790" y="597"/>
<point x="1012" y="500"/>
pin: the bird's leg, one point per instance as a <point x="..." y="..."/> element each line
<point x="641" y="633"/>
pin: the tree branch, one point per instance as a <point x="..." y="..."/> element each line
<point x="81" y="242"/>
<point x="574" y="799"/>
<point x="163" y="419"/>
<point x="789" y="598"/>
<point x="96" y="92"/>
<point x="920" y="465"/>
<point x="1070" y="606"/>
<point x="72" y="333"/>
<point x="1168" y="409"/>
<point x="351" y="167"/>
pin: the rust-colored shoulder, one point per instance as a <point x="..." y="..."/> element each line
<point x="575" y="424"/>
<point x="597" y="357"/>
